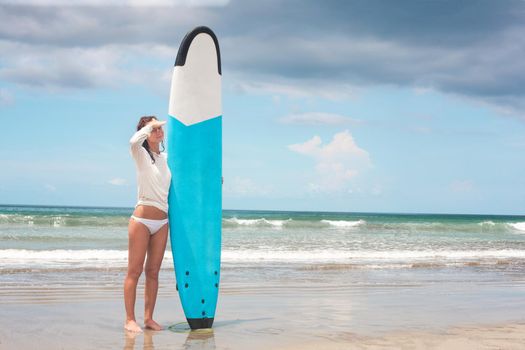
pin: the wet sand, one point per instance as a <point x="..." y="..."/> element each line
<point x="423" y="309"/>
<point x="503" y="336"/>
<point x="97" y="324"/>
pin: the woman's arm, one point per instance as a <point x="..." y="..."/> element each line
<point x="136" y="141"/>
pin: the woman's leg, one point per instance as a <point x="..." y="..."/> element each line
<point x="138" y="236"/>
<point x="157" y="246"/>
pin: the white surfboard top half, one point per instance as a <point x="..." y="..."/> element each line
<point x="195" y="94"/>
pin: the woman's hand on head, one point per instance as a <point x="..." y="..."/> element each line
<point x="156" y="123"/>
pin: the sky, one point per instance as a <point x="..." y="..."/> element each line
<point x="355" y="106"/>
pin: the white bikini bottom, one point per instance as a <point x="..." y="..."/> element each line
<point x="152" y="225"/>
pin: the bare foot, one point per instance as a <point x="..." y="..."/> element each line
<point x="150" y="324"/>
<point x="132" y="326"/>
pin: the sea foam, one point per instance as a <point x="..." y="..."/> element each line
<point x="520" y="226"/>
<point x="10" y="258"/>
<point x="344" y="223"/>
<point x="257" y="222"/>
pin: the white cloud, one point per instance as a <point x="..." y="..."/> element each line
<point x="337" y="163"/>
<point x="317" y="118"/>
<point x="59" y="67"/>
<point x="421" y="90"/>
<point x="50" y="188"/>
<point x="461" y="186"/>
<point x="420" y="129"/>
<point x="117" y="181"/>
<point x="377" y="190"/>
<point x="245" y="187"/>
<point x="6" y="98"/>
<point x="138" y="3"/>
<point x="294" y="88"/>
<point x="308" y="147"/>
<point x="337" y="58"/>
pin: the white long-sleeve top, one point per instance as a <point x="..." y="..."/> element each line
<point x="153" y="179"/>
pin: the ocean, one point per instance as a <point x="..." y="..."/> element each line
<point x="43" y="238"/>
<point x="285" y="276"/>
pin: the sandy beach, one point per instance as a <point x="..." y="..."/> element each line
<point x="502" y="336"/>
<point x="301" y="314"/>
<point x="96" y="325"/>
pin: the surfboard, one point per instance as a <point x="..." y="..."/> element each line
<point x="194" y="146"/>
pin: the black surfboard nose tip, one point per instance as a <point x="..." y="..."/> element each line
<point x="200" y="323"/>
<point x="186" y="42"/>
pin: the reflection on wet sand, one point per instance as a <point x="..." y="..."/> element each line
<point x="131" y="339"/>
<point x="200" y="339"/>
<point x="196" y="339"/>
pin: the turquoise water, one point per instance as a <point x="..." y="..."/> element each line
<point x="374" y="271"/>
<point x="52" y="237"/>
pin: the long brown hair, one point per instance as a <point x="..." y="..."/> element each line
<point x="142" y="122"/>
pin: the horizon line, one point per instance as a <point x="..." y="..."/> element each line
<point x="268" y="210"/>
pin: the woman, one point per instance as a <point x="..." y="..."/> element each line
<point x="148" y="226"/>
